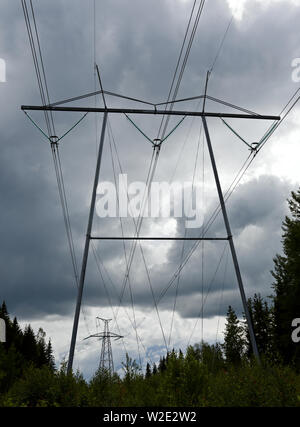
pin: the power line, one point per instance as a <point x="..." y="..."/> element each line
<point x="42" y="66"/>
<point x="178" y="62"/>
<point x="275" y="125"/>
<point x="185" y="233"/>
<point x="97" y="260"/>
<point x="200" y="313"/>
<point x="36" y="62"/>
<point x="124" y="248"/>
<point x="137" y="225"/>
<point x="221" y="44"/>
<point x="98" y="263"/>
<point x="211" y="220"/>
<point x="44" y="93"/>
<point x="184" y="62"/>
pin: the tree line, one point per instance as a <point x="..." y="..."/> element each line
<point x="21" y="350"/>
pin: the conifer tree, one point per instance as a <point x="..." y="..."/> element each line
<point x="262" y="320"/>
<point x="49" y="356"/>
<point x="162" y="365"/>
<point x="234" y="341"/>
<point x="154" y="370"/>
<point x="148" y="371"/>
<point x="287" y="284"/>
<point x="30" y="345"/>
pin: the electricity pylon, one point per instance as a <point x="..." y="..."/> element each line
<point x="106" y="357"/>
<point x="242" y="114"/>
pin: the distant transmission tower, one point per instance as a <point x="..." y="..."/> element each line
<point x="106" y="357"/>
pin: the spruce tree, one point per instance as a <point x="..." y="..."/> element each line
<point x="41" y="348"/>
<point x="20" y="350"/>
<point x="154" y="370"/>
<point x="162" y="365"/>
<point x="30" y="350"/>
<point x="234" y="341"/>
<point x="17" y="334"/>
<point x="262" y="320"/>
<point x="148" y="371"/>
<point x="49" y="356"/>
<point x="287" y="284"/>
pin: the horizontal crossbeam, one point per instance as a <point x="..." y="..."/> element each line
<point x="105" y="335"/>
<point x="152" y="111"/>
<point x="157" y="238"/>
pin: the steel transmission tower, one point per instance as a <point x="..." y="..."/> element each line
<point x="106" y="357"/>
<point x="242" y="114"/>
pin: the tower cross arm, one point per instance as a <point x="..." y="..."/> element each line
<point x="151" y="111"/>
<point x="105" y="335"/>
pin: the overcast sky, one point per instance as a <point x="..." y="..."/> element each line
<point x="137" y="43"/>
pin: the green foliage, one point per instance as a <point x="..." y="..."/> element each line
<point x="45" y="387"/>
<point x="254" y="385"/>
<point x="132" y="383"/>
<point x="35" y="388"/>
<point x="287" y="285"/>
<point x="210" y="355"/>
<point x="262" y="321"/>
<point x="71" y="389"/>
<point x="148" y="371"/>
<point x="131" y="369"/>
<point x="22" y="349"/>
<point x="189" y="379"/>
<point x="104" y="389"/>
<point x="234" y="341"/>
